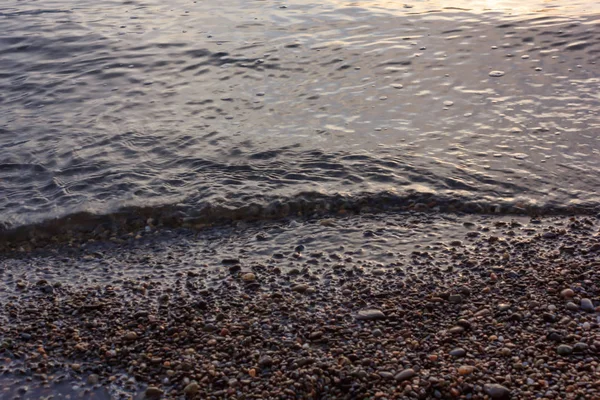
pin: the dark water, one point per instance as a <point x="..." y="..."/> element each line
<point x="208" y="104"/>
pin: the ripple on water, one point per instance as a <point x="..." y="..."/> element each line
<point x="108" y="105"/>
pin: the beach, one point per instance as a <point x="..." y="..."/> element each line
<point x="387" y="306"/>
<point x="299" y="200"/>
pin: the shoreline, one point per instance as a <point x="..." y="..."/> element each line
<point x="461" y="307"/>
<point x="81" y="227"/>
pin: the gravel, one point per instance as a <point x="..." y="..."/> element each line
<point x="164" y="317"/>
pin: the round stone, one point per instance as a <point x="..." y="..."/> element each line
<point x="587" y="305"/>
<point x="458" y="352"/>
<point x="567" y="293"/>
<point x="152" y="392"/>
<point x="248" y="277"/>
<point x="496" y="392"/>
<point x="564" y="350"/>
<point x="191" y="389"/>
<point x="496" y="74"/>
<point x="405" y="375"/>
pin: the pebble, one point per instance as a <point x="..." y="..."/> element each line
<point x="93" y="379"/>
<point x="572" y="306"/>
<point x="315" y="335"/>
<point x="248" y="277"/>
<point x="191" y="389"/>
<point x="496" y="391"/>
<point x="265" y="361"/>
<point x="386" y="375"/>
<point x="564" y="350"/>
<point x="549" y="317"/>
<point x="152" y="392"/>
<point x="370" y="314"/>
<point x="455" y="298"/>
<point x="464" y="323"/>
<point x="466" y="369"/>
<point x="496" y="74"/>
<point x="505" y="351"/>
<point x="567" y="293"/>
<point x="405" y="375"/>
<point x="580" y="347"/>
<point x="587" y="305"/>
<point x="458" y="352"/>
<point x="456" y="330"/>
<point x="300" y="288"/>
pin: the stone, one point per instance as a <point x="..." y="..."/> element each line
<point x="580" y="347"/>
<point x="466" y="369"/>
<point x="405" y="375"/>
<point x="386" y="375"/>
<point x="265" y="361"/>
<point x="549" y="317"/>
<point x="130" y="336"/>
<point x="482" y="313"/>
<point x="456" y="330"/>
<point x="315" y="335"/>
<point x="455" y="298"/>
<point x="248" y="277"/>
<point x="587" y="305"/>
<point x="554" y="336"/>
<point x="572" y="306"/>
<point x="464" y="323"/>
<point x="300" y="288"/>
<point x="93" y="379"/>
<point x="191" y="389"/>
<point x="567" y="293"/>
<point x="496" y="391"/>
<point x="152" y="392"/>
<point x="564" y="350"/>
<point x="370" y="314"/>
<point x="377" y="333"/>
<point x="496" y="74"/>
<point x="505" y="351"/>
<point x="458" y="352"/>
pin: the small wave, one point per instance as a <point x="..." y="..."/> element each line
<point x="305" y="205"/>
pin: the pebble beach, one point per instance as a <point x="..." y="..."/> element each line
<point x="399" y="306"/>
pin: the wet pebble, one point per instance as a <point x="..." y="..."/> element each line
<point x="564" y="350"/>
<point x="191" y="389"/>
<point x="458" y="352"/>
<point x="370" y="314"/>
<point x="93" y="379"/>
<point x="152" y="392"/>
<point x="587" y="305"/>
<point x="496" y="391"/>
<point x="405" y="375"/>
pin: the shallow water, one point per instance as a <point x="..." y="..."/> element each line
<point x="196" y="104"/>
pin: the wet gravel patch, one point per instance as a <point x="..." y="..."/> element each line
<point x="386" y="307"/>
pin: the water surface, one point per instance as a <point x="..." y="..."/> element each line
<point x="196" y="105"/>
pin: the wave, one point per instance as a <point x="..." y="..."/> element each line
<point x="305" y="205"/>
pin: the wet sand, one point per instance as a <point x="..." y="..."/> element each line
<point x="372" y="306"/>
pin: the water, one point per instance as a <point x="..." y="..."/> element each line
<point x="207" y="106"/>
